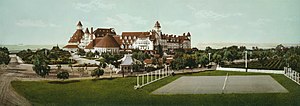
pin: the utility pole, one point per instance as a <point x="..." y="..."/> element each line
<point x="246" y="65"/>
<point x="209" y="58"/>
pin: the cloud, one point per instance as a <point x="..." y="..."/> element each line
<point x="126" y="21"/>
<point x="180" y="23"/>
<point x="34" y="23"/>
<point x="209" y="14"/>
<point x="260" y="22"/>
<point x="93" y="5"/>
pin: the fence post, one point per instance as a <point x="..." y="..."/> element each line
<point x="155" y="75"/>
<point x="297" y="78"/>
<point x="159" y="74"/>
<point x="142" y="79"/>
<point x="147" y="77"/>
<point x="284" y="69"/>
<point x="151" y="77"/>
<point x="163" y="73"/>
<point x="289" y="72"/>
<point x="294" y="75"/>
<point x="137" y="80"/>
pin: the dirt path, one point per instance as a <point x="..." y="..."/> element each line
<point x="8" y="96"/>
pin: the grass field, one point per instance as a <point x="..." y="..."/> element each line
<point x="120" y="91"/>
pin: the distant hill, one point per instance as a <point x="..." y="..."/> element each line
<point x="17" y="48"/>
<point x="202" y="46"/>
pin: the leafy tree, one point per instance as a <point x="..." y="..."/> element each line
<point x="102" y="63"/>
<point x="203" y="60"/>
<point x="97" y="53"/>
<point x="190" y="61"/>
<point x="63" y="75"/>
<point x="178" y="63"/>
<point x="217" y="58"/>
<point x="160" y="50"/>
<point x="40" y="66"/>
<point x="140" y="56"/>
<point x="90" y="54"/>
<point x="228" y="56"/>
<point x="137" y="65"/>
<point x="81" y="52"/>
<point x="4" y="49"/>
<point x="4" y="58"/>
<point x="294" y="62"/>
<point x="97" y="72"/>
<point x="208" y="49"/>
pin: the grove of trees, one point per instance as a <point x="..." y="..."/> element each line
<point x="53" y="56"/>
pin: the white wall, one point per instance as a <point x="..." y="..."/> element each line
<point x="251" y="70"/>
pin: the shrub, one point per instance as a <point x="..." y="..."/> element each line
<point x="62" y="75"/>
<point x="97" y="72"/>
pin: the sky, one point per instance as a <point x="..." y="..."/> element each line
<point x="209" y="21"/>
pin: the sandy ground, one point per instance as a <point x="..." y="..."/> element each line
<point x="8" y="96"/>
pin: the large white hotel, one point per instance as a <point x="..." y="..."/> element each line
<point x="106" y="40"/>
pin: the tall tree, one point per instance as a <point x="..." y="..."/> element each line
<point x="4" y="58"/>
<point x="40" y="66"/>
<point x="217" y="58"/>
<point x="203" y="60"/>
<point x="160" y="50"/>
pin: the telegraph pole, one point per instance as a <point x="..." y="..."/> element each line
<point x="246" y="65"/>
<point x="209" y="58"/>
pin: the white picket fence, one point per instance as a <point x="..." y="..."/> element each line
<point x="291" y="74"/>
<point x="150" y="77"/>
<point x="251" y="70"/>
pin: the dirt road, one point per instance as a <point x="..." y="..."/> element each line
<point x="8" y="96"/>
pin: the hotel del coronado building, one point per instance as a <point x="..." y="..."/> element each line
<point x="106" y="40"/>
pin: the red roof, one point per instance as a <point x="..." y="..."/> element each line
<point x="107" y="41"/>
<point x="101" y="32"/>
<point x="76" y="36"/>
<point x="148" y="61"/>
<point x="117" y="38"/>
<point x="137" y="34"/>
<point x="92" y="44"/>
<point x="71" y="46"/>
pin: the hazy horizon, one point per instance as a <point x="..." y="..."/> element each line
<point x="200" y="46"/>
<point x="43" y="22"/>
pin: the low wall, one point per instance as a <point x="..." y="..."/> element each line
<point x="251" y="70"/>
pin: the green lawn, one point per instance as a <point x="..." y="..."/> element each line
<point x="120" y="91"/>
